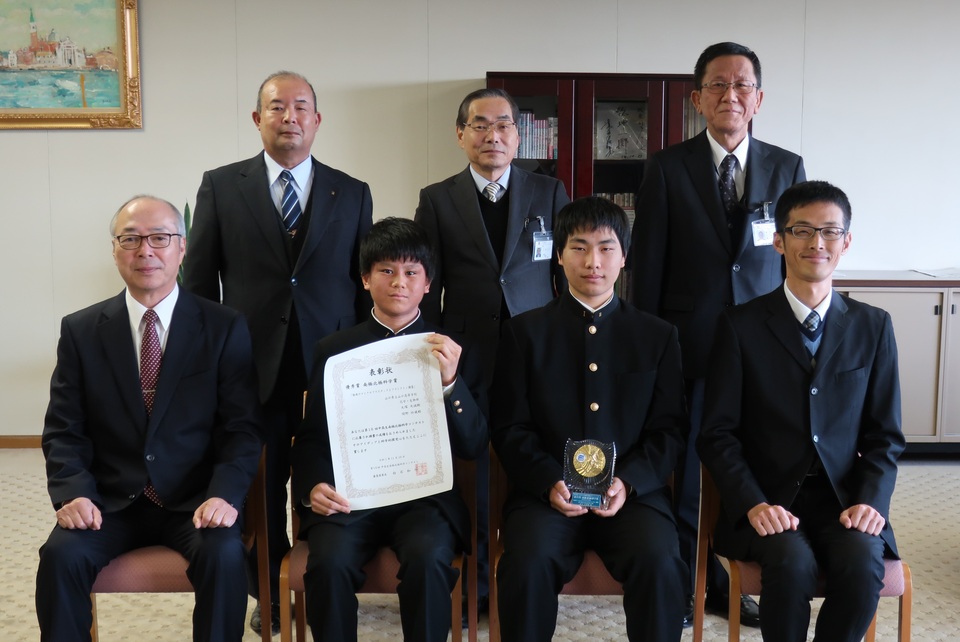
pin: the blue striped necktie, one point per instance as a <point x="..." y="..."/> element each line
<point x="290" y="204"/>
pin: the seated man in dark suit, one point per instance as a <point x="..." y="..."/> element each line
<point x="151" y="435"/>
<point x="396" y="264"/>
<point x="801" y="430"/>
<point x="589" y="365"/>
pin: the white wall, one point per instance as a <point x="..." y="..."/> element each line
<point x="861" y="88"/>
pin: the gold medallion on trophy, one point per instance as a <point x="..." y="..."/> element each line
<point x="589" y="460"/>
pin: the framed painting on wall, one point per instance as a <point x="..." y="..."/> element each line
<point x="69" y="64"/>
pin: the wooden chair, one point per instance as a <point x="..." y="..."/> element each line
<point x="591" y="579"/>
<point x="158" y="569"/>
<point x="745" y="576"/>
<point x="382" y="571"/>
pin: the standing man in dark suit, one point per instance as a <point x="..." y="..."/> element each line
<point x="397" y="262"/>
<point x="702" y="242"/>
<point x="801" y="431"/>
<point x="277" y="237"/>
<point x="136" y="458"/>
<point x="486" y="223"/>
<point x="589" y="366"/>
<point x="492" y="226"/>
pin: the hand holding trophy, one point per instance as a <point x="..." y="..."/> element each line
<point x="588" y="471"/>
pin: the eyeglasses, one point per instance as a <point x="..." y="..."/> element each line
<point x="742" y="88"/>
<point x="133" y="241"/>
<point x="500" y="126"/>
<point x="806" y="232"/>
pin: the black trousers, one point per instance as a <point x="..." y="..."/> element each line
<point x="851" y="562"/>
<point x="687" y="499"/>
<point x="544" y="549"/>
<point x="282" y="415"/>
<point x="71" y="559"/>
<point x="425" y="545"/>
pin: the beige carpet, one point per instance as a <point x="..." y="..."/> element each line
<point x="924" y="513"/>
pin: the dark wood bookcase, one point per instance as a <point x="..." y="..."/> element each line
<point x="605" y="124"/>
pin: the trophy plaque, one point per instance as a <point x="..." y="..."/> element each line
<point x="588" y="471"/>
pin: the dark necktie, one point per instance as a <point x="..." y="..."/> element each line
<point x="491" y="191"/>
<point x="728" y="186"/>
<point x="150" y="357"/>
<point x="290" y="204"/>
<point x="811" y="330"/>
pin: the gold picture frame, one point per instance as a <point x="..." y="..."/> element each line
<point x="56" y="66"/>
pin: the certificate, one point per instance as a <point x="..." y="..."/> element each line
<point x="387" y="423"/>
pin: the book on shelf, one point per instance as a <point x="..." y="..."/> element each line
<point x="538" y="136"/>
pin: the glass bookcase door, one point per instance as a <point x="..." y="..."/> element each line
<point x="545" y="124"/>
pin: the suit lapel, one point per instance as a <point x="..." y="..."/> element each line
<point x="463" y="192"/>
<point x="260" y="207"/>
<point x="113" y="331"/>
<point x="185" y="328"/>
<point x="783" y="325"/>
<point x="758" y="174"/>
<point x="520" y="202"/>
<point x="703" y="175"/>
<point x="324" y="195"/>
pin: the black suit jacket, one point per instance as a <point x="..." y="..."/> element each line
<point x="237" y="239"/>
<point x="310" y="457"/>
<point x="543" y="389"/>
<point x="200" y="441"/>
<point x="768" y="412"/>
<point x="684" y="267"/>
<point x="473" y="284"/>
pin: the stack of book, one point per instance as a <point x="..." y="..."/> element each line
<point x="538" y="136"/>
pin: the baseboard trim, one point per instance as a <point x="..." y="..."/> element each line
<point x="19" y="441"/>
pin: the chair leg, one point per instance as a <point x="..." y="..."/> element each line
<point x="300" y="607"/>
<point x="494" y="609"/>
<point x="733" y="608"/>
<point x="94" y="633"/>
<point x="906" y="606"/>
<point x="871" y="635"/>
<point x="285" y="633"/>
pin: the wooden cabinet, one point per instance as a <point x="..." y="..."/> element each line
<point x="604" y="125"/>
<point x="926" y="321"/>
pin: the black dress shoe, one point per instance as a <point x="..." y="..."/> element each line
<point x="749" y="612"/>
<point x="688" y="613"/>
<point x="256" y="623"/>
<point x="749" y="609"/>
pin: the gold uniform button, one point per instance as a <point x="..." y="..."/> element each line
<point x="594" y="406"/>
<point x="593" y="367"/>
<point x="592" y="329"/>
<point x="456" y="404"/>
<point x="459" y="410"/>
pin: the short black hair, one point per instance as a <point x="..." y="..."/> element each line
<point x="723" y="49"/>
<point x="397" y="239"/>
<point x="589" y="214"/>
<point x="488" y="92"/>
<point x="807" y="193"/>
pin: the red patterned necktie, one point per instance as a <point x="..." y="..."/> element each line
<point x="150" y="356"/>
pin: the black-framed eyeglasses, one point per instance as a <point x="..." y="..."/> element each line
<point x="499" y="126"/>
<point x="807" y="232"/>
<point x="133" y="241"/>
<point x="741" y="87"/>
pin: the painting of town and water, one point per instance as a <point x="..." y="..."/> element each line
<point x="63" y="60"/>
